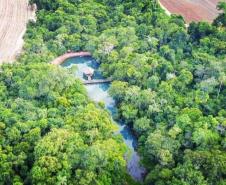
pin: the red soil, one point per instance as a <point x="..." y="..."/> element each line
<point x="59" y="60"/>
<point x="193" y="10"/>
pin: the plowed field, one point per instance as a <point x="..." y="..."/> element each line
<point x="14" y="15"/>
<point x="193" y="10"/>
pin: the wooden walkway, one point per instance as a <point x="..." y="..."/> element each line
<point x="90" y="82"/>
<point x="61" y="59"/>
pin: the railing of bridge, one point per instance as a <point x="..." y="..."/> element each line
<point x="88" y="82"/>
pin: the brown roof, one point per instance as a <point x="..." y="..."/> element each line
<point x="88" y="71"/>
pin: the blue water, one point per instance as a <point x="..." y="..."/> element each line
<point x="99" y="93"/>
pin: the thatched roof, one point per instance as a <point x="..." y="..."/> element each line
<point x="88" y="71"/>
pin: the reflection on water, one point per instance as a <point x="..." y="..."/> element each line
<point x="99" y="93"/>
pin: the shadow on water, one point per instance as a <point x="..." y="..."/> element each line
<point x="99" y="93"/>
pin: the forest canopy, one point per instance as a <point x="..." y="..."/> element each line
<point x="169" y="86"/>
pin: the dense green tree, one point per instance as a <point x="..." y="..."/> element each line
<point x="52" y="134"/>
<point x="221" y="19"/>
<point x="168" y="83"/>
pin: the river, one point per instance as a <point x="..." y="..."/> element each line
<point x="99" y="93"/>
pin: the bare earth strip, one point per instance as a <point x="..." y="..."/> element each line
<point x="192" y="10"/>
<point x="14" y="16"/>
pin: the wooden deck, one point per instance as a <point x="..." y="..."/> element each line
<point x="90" y="82"/>
<point x="61" y="59"/>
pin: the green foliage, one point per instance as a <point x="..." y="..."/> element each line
<point x="51" y="133"/>
<point x="221" y="19"/>
<point x="169" y="86"/>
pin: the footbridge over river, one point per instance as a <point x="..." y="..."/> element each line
<point x="89" y="82"/>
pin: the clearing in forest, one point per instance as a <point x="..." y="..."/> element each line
<point x="14" y="16"/>
<point x="193" y="10"/>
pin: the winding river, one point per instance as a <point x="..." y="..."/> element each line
<point x="99" y="93"/>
